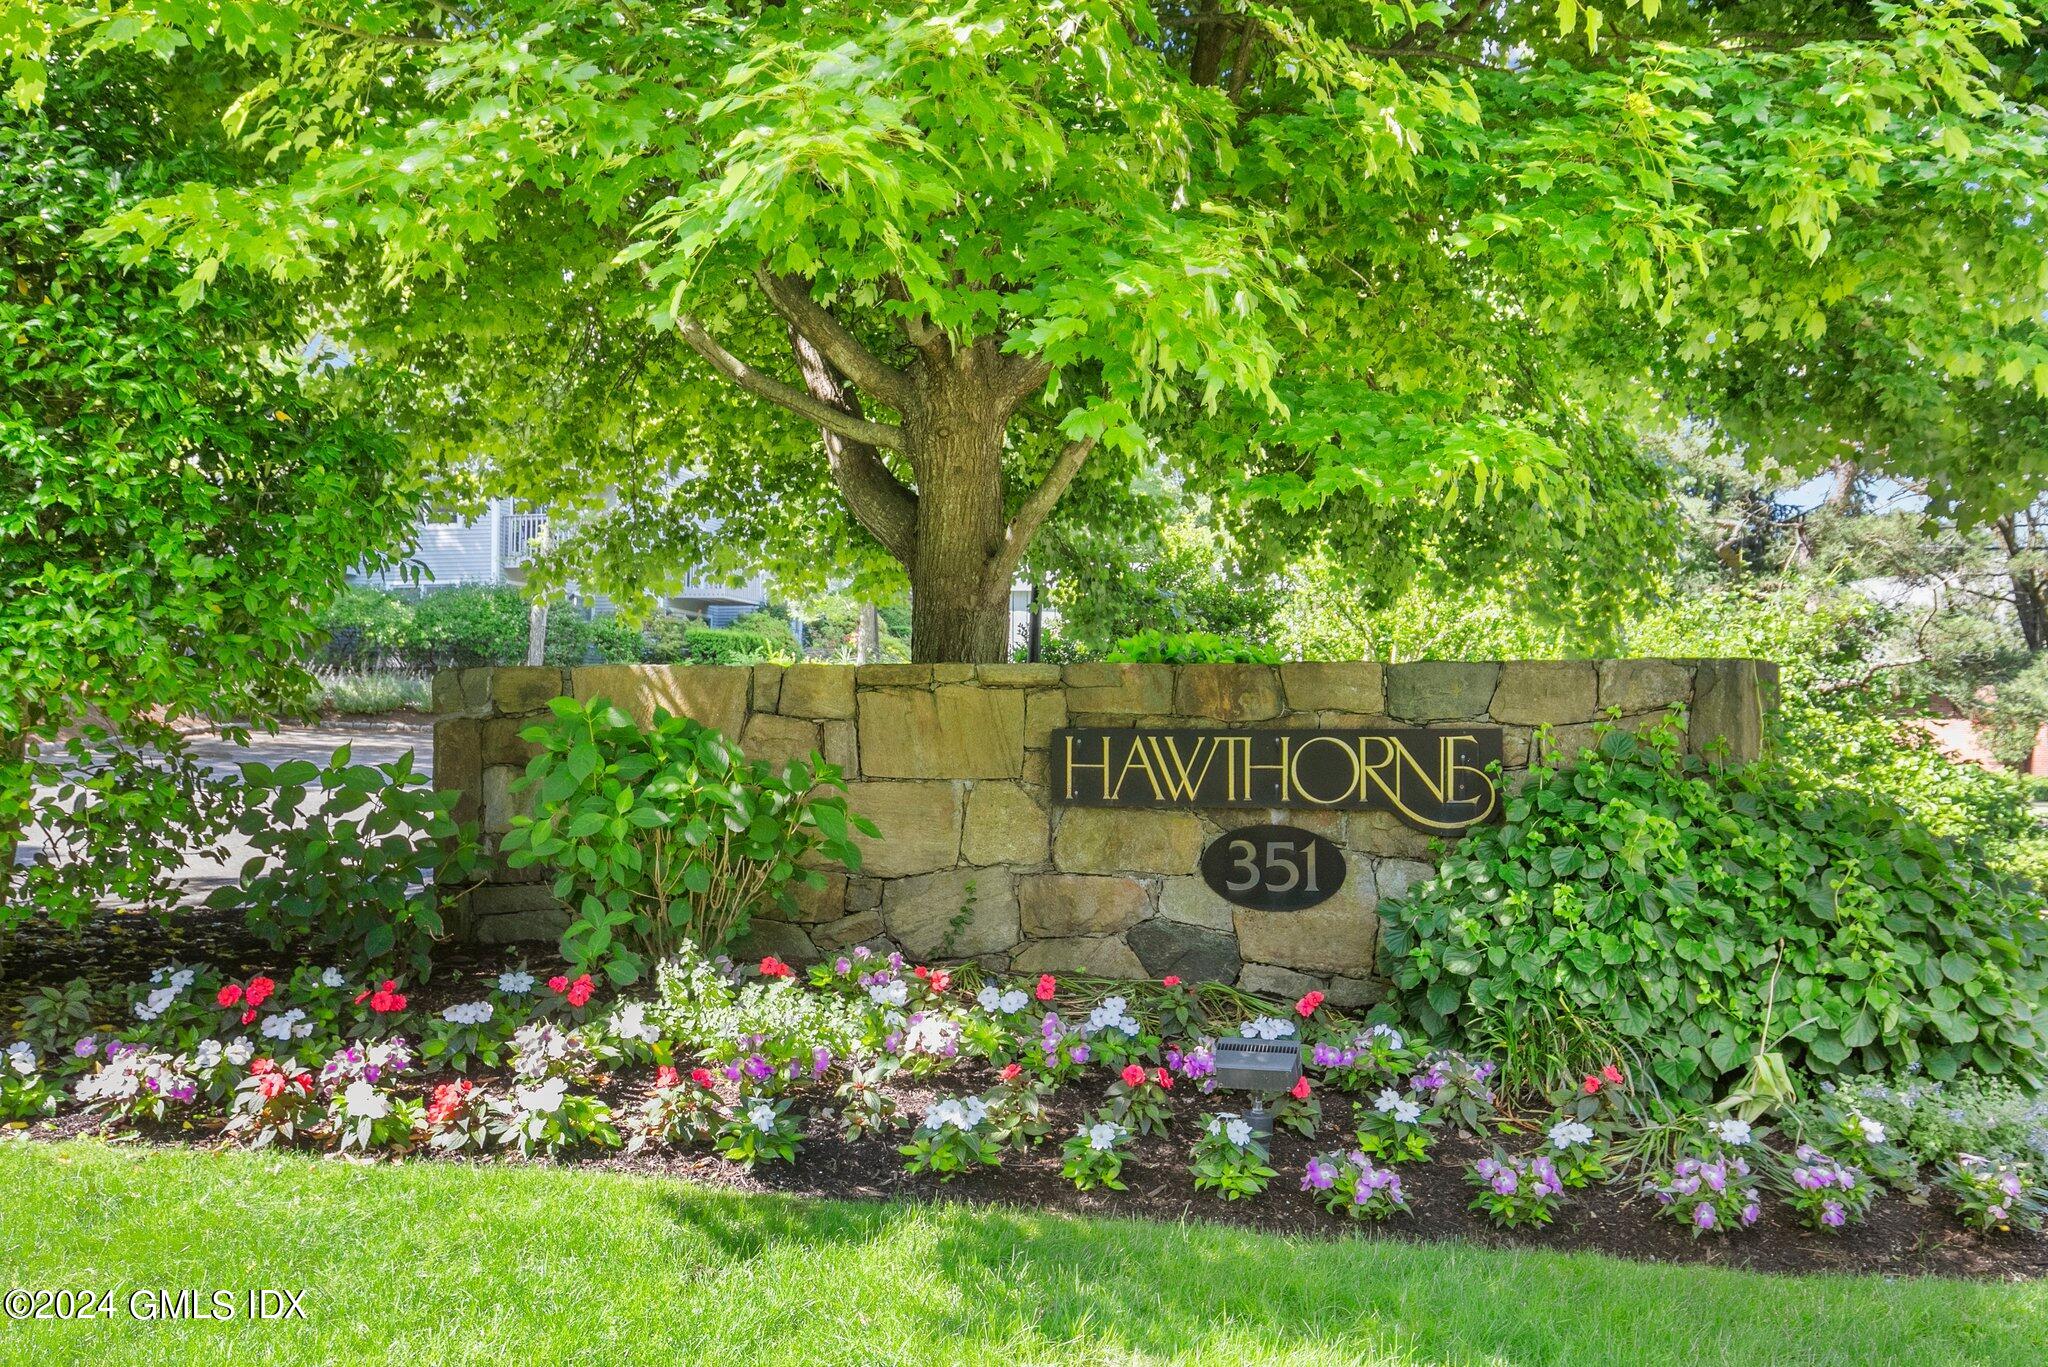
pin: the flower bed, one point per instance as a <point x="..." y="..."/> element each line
<point x="874" y="1076"/>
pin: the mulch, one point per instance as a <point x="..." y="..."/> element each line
<point x="1901" y="1236"/>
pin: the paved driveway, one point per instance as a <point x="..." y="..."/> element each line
<point x="369" y="742"/>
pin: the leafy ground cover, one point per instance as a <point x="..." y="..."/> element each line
<point x="448" y="1262"/>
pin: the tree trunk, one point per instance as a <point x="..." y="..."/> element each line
<point x="959" y="600"/>
<point x="537" y="633"/>
<point x="867" y="638"/>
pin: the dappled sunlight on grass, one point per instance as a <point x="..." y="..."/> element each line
<point x="446" y="1262"/>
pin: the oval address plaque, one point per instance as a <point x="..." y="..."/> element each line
<point x="1273" y="868"/>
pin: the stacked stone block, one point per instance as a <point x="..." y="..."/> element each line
<point x="976" y="862"/>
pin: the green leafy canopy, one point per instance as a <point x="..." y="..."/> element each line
<point x="1322" y="261"/>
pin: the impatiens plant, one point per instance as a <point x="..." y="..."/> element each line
<point x="760" y="1128"/>
<point x="137" y="1083"/>
<point x="1230" y="1159"/>
<point x="1826" y="1193"/>
<point x="952" y="1139"/>
<point x="458" y="1117"/>
<point x="1578" y="1150"/>
<point x="1138" y="1099"/>
<point x="1365" y="1060"/>
<point x="1994" y="1193"/>
<point x="1394" y="1127"/>
<point x="1713" y="1192"/>
<point x="366" y="1116"/>
<point x="864" y="1108"/>
<point x="546" y="1117"/>
<point x="1843" y="1129"/>
<point x="274" y="1104"/>
<point x="1094" y="1156"/>
<point x="1352" y="1185"/>
<point x="466" y="1033"/>
<point x="681" y="1111"/>
<point x="1513" y="1190"/>
<point x="1457" y="1088"/>
<point x="25" y="1093"/>
<point x="1019" y="1111"/>
<point x="51" y="1016"/>
<point x="541" y="1049"/>
<point x="1299" y="1110"/>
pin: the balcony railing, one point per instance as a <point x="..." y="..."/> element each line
<point x="520" y="532"/>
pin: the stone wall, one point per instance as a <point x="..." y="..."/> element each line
<point x="950" y="761"/>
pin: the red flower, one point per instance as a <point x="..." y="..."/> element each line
<point x="938" y="980"/>
<point x="447" y="1100"/>
<point x="1010" y="1071"/>
<point x="249" y="1016"/>
<point x="1306" y="1007"/>
<point x="558" y="984"/>
<point x="229" y="995"/>
<point x="1170" y="980"/>
<point x="387" y="998"/>
<point x="1612" y="1074"/>
<point x="666" y="1077"/>
<point x="772" y="967"/>
<point x="580" y="990"/>
<point x="702" y="1077"/>
<point x="271" y="1085"/>
<point x="1592" y="1084"/>
<point x="1047" y="985"/>
<point x="1299" y="1091"/>
<point x="260" y="990"/>
<point x="263" y="1065"/>
<point x="1164" y="1078"/>
<point x="1133" y="1075"/>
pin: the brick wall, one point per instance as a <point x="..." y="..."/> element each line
<point x="950" y="761"/>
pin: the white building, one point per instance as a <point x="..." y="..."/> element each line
<point x="493" y="548"/>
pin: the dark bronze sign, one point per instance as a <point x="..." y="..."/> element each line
<point x="1273" y="868"/>
<point x="1434" y="778"/>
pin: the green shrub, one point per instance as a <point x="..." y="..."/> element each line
<point x="366" y="628"/>
<point x="669" y="836"/>
<point x="468" y="626"/>
<point x="671" y="640"/>
<point x="1661" y="896"/>
<point x="366" y="876"/>
<point x="1937" y="1121"/>
<point x="1188" y="648"/>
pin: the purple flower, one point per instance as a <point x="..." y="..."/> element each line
<point x="758" y="1068"/>
<point x="842" y="965"/>
<point x="821" y="1061"/>
<point x="862" y="952"/>
<point x="85" y="1047"/>
<point x="895" y="962"/>
<point x="1325" y="1056"/>
<point x="1703" y="1215"/>
<point x="1831" y="1214"/>
<point x="1750" y="1213"/>
<point x="1505" y="1182"/>
<point x="732" y="1072"/>
<point x="1079" y="1053"/>
<point x="1319" y="1176"/>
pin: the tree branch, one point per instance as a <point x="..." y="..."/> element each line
<point x="917" y="329"/>
<point x="827" y="416"/>
<point x="874" y="495"/>
<point x="1038" y="506"/>
<point x="791" y="296"/>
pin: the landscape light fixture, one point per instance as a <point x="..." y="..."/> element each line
<point x="1266" y="1067"/>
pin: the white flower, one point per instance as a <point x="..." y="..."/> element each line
<point x="1266" y="1027"/>
<point x="1730" y="1131"/>
<point x="762" y="1117"/>
<point x="283" y="1025"/>
<point x="158" y="1002"/>
<point x="543" y="1099"/>
<point x="1013" y="1001"/>
<point x="1565" y="1133"/>
<point x="1238" y="1132"/>
<point x="1873" y="1133"/>
<point x="1387" y="1100"/>
<point x="1103" y="1135"/>
<point x="989" y="998"/>
<point x="1112" y="1014"/>
<point x="630" y="1022"/>
<point x="207" y="1054"/>
<point x="176" y="979"/>
<point x="890" y="994"/>
<point x="932" y="1035"/>
<point x="515" y="982"/>
<point x="962" y="1113"/>
<point x="21" y="1056"/>
<point x="331" y="977"/>
<point x="1407" y="1112"/>
<point x="1387" y="1033"/>
<point x="239" y="1051"/>
<point x="364" y="1102"/>
<point x="469" y="1013"/>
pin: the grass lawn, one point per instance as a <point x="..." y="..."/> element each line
<point x="440" y="1263"/>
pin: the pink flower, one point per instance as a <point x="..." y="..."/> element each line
<point x="1299" y="1091"/>
<point x="1047" y="985"/>
<point x="1306" y="1007"/>
<point x="1133" y="1075"/>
